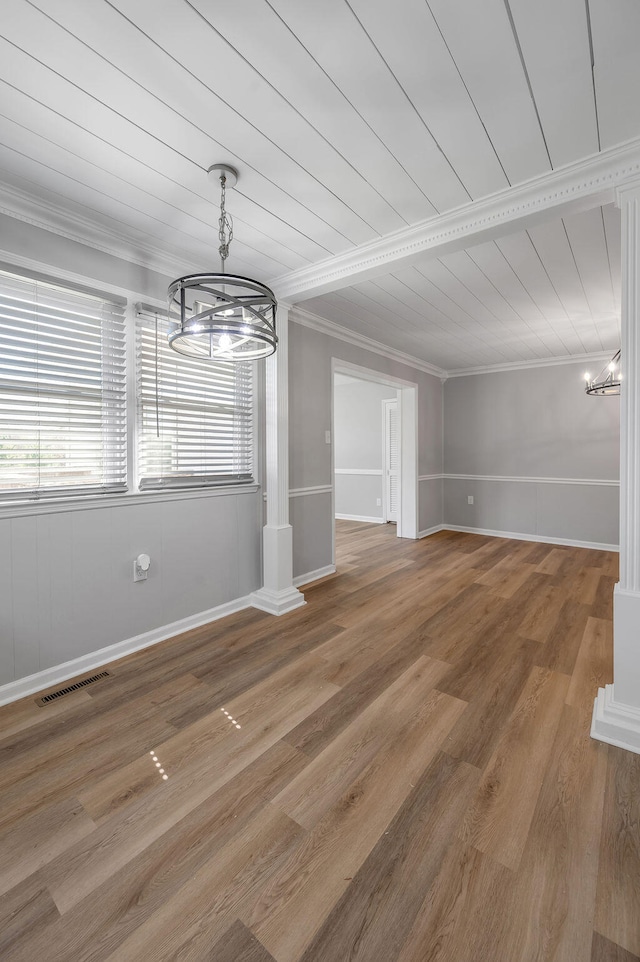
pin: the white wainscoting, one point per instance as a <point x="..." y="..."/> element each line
<point x="583" y="512"/>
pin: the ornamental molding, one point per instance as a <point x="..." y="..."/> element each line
<point x="594" y="358"/>
<point x="60" y="220"/>
<point x="320" y="324"/>
<point x="585" y="184"/>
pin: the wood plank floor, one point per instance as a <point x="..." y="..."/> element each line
<point x="400" y="771"/>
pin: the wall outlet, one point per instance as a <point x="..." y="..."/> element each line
<point x="141" y="567"/>
<point x="469" y="499"/>
<point x="379" y="502"/>
<point x="327" y="437"/>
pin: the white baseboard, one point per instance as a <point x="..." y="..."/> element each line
<point x="614" y="724"/>
<point x="96" y="659"/>
<point x="542" y="539"/>
<point x="359" y="517"/>
<point x="434" y="530"/>
<point x="314" y="575"/>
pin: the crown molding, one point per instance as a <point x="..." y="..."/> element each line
<point x="323" y="326"/>
<point x="83" y="230"/>
<point x="600" y="356"/>
<point x="587" y="183"/>
<point x="590" y="182"/>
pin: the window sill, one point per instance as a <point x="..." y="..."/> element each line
<point x="21" y="509"/>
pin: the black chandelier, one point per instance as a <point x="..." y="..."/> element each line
<point x="608" y="381"/>
<point x="222" y="315"/>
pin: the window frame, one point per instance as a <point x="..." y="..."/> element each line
<point x="25" y="507"/>
<point x="100" y="349"/>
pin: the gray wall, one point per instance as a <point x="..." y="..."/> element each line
<point x="531" y="424"/>
<point x="310" y="354"/>
<point x="358" y="438"/>
<point x="66" y="585"/>
<point x="57" y="252"/>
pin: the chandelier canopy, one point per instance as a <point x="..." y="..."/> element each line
<point x="608" y="381"/>
<point x="222" y="315"/>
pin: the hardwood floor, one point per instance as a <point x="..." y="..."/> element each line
<point x="400" y="771"/>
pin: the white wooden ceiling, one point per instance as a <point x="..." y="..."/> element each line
<point x="348" y="120"/>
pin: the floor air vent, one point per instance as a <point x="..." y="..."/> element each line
<point x="76" y="685"/>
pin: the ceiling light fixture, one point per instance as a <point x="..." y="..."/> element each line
<point x="608" y="381"/>
<point x="222" y="315"/>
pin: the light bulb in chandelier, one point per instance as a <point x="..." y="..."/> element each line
<point x="607" y="383"/>
<point x="222" y="315"/>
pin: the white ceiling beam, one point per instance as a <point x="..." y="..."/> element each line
<point x="588" y="183"/>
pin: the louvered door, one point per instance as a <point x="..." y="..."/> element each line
<point x="391" y="460"/>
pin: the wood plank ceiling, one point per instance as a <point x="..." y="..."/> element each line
<point x="348" y="120"/>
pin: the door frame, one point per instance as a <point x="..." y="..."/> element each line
<point x="407" y="525"/>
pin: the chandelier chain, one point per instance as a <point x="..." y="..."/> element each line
<point x="225" y="223"/>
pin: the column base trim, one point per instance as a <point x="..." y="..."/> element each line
<point x="277" y="602"/>
<point x="614" y="724"/>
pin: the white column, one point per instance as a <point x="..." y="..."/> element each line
<point x="616" y="714"/>
<point x="277" y="594"/>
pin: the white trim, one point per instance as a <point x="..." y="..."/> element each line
<point x="372" y="471"/>
<point x="629" y="201"/>
<point x="519" y="536"/>
<point x="86" y="231"/>
<point x="104" y="656"/>
<point x="431" y="477"/>
<point x="277" y="594"/>
<point x="582" y="185"/>
<point x="367" y="374"/>
<point x="314" y="489"/>
<point x="489" y="477"/>
<point x="433" y="530"/>
<point x="407" y="393"/>
<point x="277" y="602"/>
<point x="614" y="724"/>
<point x="320" y="324"/>
<point x="31" y="264"/>
<point x="316" y="575"/>
<point x="323" y="326"/>
<point x="20" y="509"/>
<point x="598" y="357"/>
<point x="359" y="517"/>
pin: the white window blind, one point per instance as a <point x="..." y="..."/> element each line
<point x="62" y="390"/>
<point x="195" y="417"/>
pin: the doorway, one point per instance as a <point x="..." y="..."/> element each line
<point x="397" y="490"/>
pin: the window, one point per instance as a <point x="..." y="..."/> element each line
<point x="62" y="390"/>
<point x="195" y="417"/>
